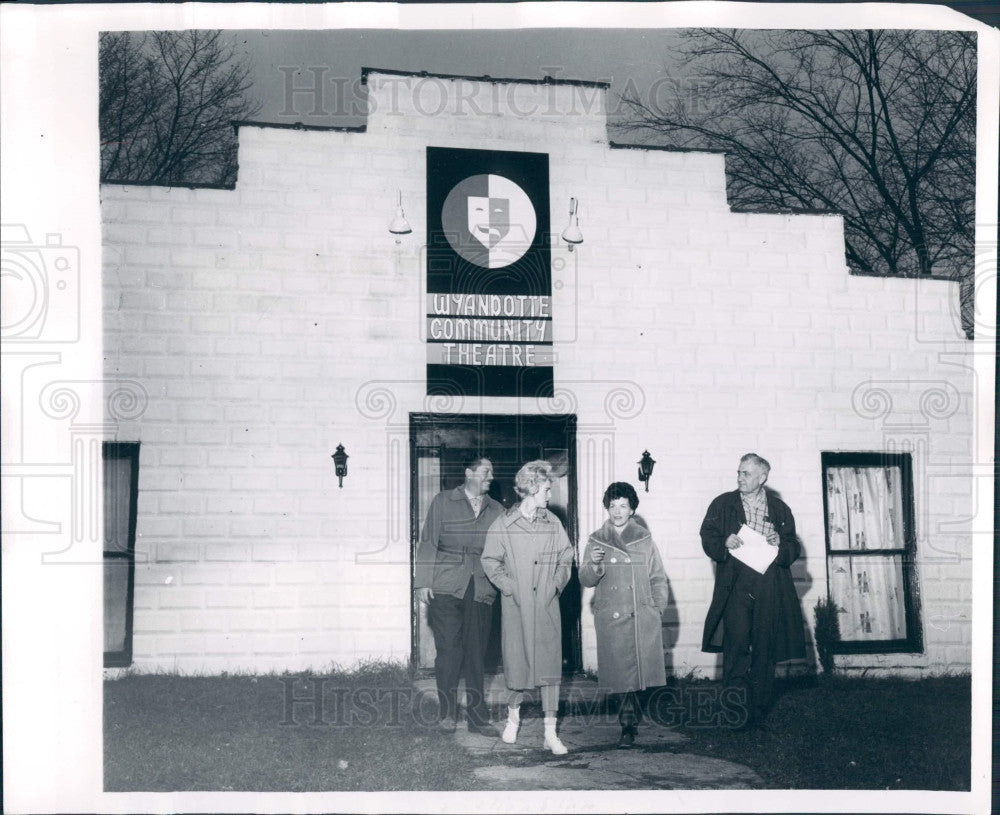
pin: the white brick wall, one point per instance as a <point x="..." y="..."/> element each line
<point x="272" y="322"/>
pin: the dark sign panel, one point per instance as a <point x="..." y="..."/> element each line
<point x="489" y="284"/>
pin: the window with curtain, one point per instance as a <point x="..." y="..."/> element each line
<point x="870" y="548"/>
<point x="121" y="474"/>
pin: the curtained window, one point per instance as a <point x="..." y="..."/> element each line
<point x="121" y="474"/>
<point x="870" y="546"/>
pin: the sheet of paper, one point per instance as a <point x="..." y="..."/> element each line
<point x="755" y="552"/>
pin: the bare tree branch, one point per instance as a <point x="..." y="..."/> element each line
<point x="167" y="103"/>
<point x="878" y="126"/>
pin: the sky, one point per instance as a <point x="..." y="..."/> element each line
<point x="625" y="58"/>
<point x="633" y="59"/>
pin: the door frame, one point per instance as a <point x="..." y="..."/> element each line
<point x="565" y="423"/>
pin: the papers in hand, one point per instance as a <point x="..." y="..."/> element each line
<point x="755" y="552"/>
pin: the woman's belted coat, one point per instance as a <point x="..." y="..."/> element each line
<point x="630" y="596"/>
<point x="530" y="562"/>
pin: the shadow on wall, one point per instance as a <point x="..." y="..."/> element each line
<point x="671" y="623"/>
<point x="803" y="583"/>
<point x="570" y="606"/>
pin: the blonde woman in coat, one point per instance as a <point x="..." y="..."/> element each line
<point x="529" y="558"/>
<point x="623" y="564"/>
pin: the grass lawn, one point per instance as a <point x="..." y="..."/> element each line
<point x="839" y="733"/>
<point x="166" y="732"/>
<point x="367" y="730"/>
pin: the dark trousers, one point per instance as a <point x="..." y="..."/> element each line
<point x="461" y="630"/>
<point x="747" y="662"/>
<point x="629" y="707"/>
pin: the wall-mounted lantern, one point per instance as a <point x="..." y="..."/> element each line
<point x="340" y="463"/>
<point x="572" y="234"/>
<point x="646" y="468"/>
<point x="399" y="226"/>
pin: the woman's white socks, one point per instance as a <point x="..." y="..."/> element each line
<point x="513" y="723"/>
<point x="551" y="739"/>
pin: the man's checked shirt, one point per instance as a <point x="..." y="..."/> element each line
<point x="755" y="508"/>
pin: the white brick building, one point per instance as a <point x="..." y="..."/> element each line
<point x="268" y="323"/>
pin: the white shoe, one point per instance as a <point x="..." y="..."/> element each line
<point x="555" y="745"/>
<point x="510" y="732"/>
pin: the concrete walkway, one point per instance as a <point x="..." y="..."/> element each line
<point x="594" y="762"/>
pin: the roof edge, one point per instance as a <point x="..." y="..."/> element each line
<point x="615" y="145"/>
<point x="546" y="80"/>
<point x="174" y="185"/>
<point x="786" y="211"/>
<point x="299" y="126"/>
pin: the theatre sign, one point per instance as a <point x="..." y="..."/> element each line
<point x="489" y="291"/>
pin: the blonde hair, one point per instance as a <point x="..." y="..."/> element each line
<point x="531" y="477"/>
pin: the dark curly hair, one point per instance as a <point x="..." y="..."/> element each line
<point x="473" y="459"/>
<point x="621" y="489"/>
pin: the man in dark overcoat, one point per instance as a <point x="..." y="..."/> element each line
<point x="754" y="618"/>
<point x="449" y="577"/>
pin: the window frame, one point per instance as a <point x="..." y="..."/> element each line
<point x="913" y="642"/>
<point x="111" y="450"/>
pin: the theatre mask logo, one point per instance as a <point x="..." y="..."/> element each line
<point x="489" y="297"/>
<point x="489" y="220"/>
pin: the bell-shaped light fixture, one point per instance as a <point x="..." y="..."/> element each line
<point x="399" y="226"/>
<point x="646" y="468"/>
<point x="572" y="234"/>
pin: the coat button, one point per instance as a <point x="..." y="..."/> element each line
<point x="614" y="560"/>
<point x="615" y="616"/>
<point x="614" y="588"/>
<point x="628" y="560"/>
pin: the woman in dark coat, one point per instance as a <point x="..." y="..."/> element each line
<point x="623" y="564"/>
<point x="529" y="558"/>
